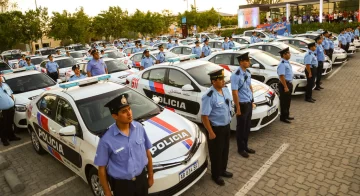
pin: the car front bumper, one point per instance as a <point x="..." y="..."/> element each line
<point x="339" y="58"/>
<point x="327" y="68"/>
<point x="20" y="119"/>
<point x="299" y="86"/>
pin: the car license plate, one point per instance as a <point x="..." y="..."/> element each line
<point x="271" y="111"/>
<point x="189" y="170"/>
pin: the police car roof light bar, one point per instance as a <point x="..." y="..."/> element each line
<point x="173" y="60"/>
<point x="192" y="56"/>
<point x="86" y="81"/>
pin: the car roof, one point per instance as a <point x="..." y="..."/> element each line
<point x="188" y="64"/>
<point x="251" y="50"/>
<point x="268" y="43"/>
<point x="304" y="39"/>
<point x="20" y="74"/>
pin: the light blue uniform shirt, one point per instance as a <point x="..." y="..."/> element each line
<point x="258" y="40"/>
<point x="152" y="43"/>
<point x="348" y="37"/>
<point x="206" y="50"/>
<point x="285" y="69"/>
<point x="242" y="80"/>
<point x="197" y="51"/>
<point x="26" y="65"/>
<point x="352" y="35"/>
<point x="225" y="46"/>
<point x="286" y="34"/>
<point x="146" y="62"/>
<point x="169" y="45"/>
<point x="124" y="156"/>
<point x="51" y="66"/>
<point x="160" y="57"/>
<point x="310" y="59"/>
<point x="22" y="63"/>
<point x="175" y="45"/>
<point x="342" y="39"/>
<point x="253" y="39"/>
<point x="75" y="77"/>
<point x="325" y="44"/>
<point x="6" y="102"/>
<point x="216" y="106"/>
<point x="231" y="44"/>
<point x="331" y="43"/>
<point x="96" y="67"/>
<point x="135" y="50"/>
<point x="320" y="53"/>
<point x="357" y="32"/>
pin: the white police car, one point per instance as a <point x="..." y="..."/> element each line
<point x="297" y="55"/>
<point x="65" y="67"/>
<point x="181" y="86"/>
<point x="115" y="54"/>
<point x="66" y="123"/>
<point x="265" y="36"/>
<point x="4" y="66"/>
<point x="78" y="55"/>
<point x="263" y="67"/>
<point x="26" y="84"/>
<point x="210" y="36"/>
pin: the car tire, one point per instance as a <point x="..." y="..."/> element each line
<point x="94" y="182"/>
<point x="36" y="143"/>
<point x="274" y="84"/>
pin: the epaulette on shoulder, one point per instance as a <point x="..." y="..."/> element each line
<point x="248" y="71"/>
<point x="237" y="72"/>
<point x="210" y="93"/>
<point x="282" y="61"/>
<point x="309" y="52"/>
<point x="72" y="76"/>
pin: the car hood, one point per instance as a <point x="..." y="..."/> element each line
<point x="25" y="98"/>
<point x="297" y="67"/>
<point x="260" y="90"/>
<point x="171" y="135"/>
<point x="120" y="77"/>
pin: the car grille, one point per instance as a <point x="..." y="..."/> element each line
<point x="269" y="118"/>
<point x="182" y="184"/>
<point x="254" y="122"/>
<point x="22" y="122"/>
<point x="300" y="89"/>
<point x="340" y="59"/>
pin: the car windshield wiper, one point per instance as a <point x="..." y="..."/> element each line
<point x="146" y="116"/>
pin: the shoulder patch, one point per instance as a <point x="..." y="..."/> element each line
<point x="248" y="71"/>
<point x="72" y="76"/>
<point x="210" y="93"/>
<point x="237" y="72"/>
<point x="309" y="52"/>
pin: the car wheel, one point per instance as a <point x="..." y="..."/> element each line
<point x="94" y="182"/>
<point x="274" y="84"/>
<point x="36" y="143"/>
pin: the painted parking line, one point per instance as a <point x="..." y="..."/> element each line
<point x="14" y="147"/>
<point x="43" y="192"/>
<point x="337" y="70"/>
<point x="257" y="176"/>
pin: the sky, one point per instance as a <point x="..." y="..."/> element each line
<point x="94" y="7"/>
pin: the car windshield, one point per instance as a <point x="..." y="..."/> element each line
<point x="29" y="83"/>
<point x="77" y="48"/>
<point x="13" y="56"/>
<point x="4" y="66"/>
<point x="37" y="61"/>
<point x="115" y="66"/>
<point x="266" y="57"/>
<point x="212" y="36"/>
<point x="98" y="118"/>
<point x="170" y="55"/>
<point x="47" y="52"/>
<point x="200" y="73"/>
<point x="114" y="54"/>
<point x="64" y="63"/>
<point x="76" y="55"/>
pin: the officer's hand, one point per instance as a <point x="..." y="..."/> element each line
<point x="212" y="136"/>
<point x="310" y="75"/>
<point x="150" y="181"/>
<point x="286" y="89"/>
<point x="238" y="112"/>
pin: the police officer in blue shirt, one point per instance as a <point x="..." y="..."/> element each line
<point x="216" y="114"/>
<point x="52" y="68"/>
<point x="342" y="40"/>
<point x="169" y="45"/>
<point x="151" y="42"/>
<point x="285" y="73"/>
<point x="258" y="38"/>
<point x="77" y="75"/>
<point x="352" y="35"/>
<point x="28" y="62"/>
<point x="146" y="61"/>
<point x="176" y="43"/>
<point x="331" y="44"/>
<point x="311" y="63"/>
<point x="137" y="48"/>
<point x="7" y="110"/>
<point x="96" y="66"/>
<point x="22" y="61"/>
<point x="197" y="50"/>
<point x="325" y="43"/>
<point x="357" y="33"/>
<point x="231" y="43"/>
<point x="286" y="34"/>
<point x="160" y="57"/>
<point x="123" y="153"/>
<point x="206" y="50"/>
<point x="203" y="38"/>
<point x="242" y="93"/>
<point x="275" y="34"/>
<point x="225" y="44"/>
<point x="321" y="58"/>
<point x="253" y="38"/>
<point x="348" y="38"/>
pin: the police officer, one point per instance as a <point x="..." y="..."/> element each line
<point x="225" y="44"/>
<point x="258" y="38"/>
<point x="102" y="52"/>
<point x="275" y="34"/>
<point x="197" y="49"/>
<point x="68" y="53"/>
<point x="160" y="57"/>
<point x="52" y="68"/>
<point x="58" y="52"/>
<point x="77" y="75"/>
<point x="320" y="54"/>
<point x="331" y="44"/>
<point x="176" y="43"/>
<point x="22" y="61"/>
<point x="342" y="40"/>
<point x="311" y="63"/>
<point x="242" y="93"/>
<point x="137" y="48"/>
<point x="28" y="62"/>
<point x="169" y="45"/>
<point x="356" y="32"/>
<point x="216" y="116"/>
<point x="253" y="38"/>
<point x="206" y="50"/>
<point x="203" y="38"/>
<point x="352" y="35"/>
<point x="151" y="42"/>
<point x="146" y="61"/>
<point x="286" y="75"/>
<point x="348" y="38"/>
<point x="286" y="34"/>
<point x="7" y="110"/>
<point x="325" y="42"/>
<point x="96" y="66"/>
<point x="231" y="43"/>
<point x="123" y="153"/>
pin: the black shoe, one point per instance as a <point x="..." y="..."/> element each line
<point x="290" y="118"/>
<point x="321" y="87"/>
<point x="244" y="154"/>
<point x="250" y="151"/>
<point x="310" y="100"/>
<point x="219" y="181"/>
<point x="6" y="143"/>
<point x="14" y="139"/>
<point x="285" y="121"/>
<point x="318" y="88"/>
<point x="313" y="99"/>
<point x="227" y="174"/>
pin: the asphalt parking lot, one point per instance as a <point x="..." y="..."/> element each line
<point x="318" y="154"/>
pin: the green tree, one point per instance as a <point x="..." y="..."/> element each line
<point x="11" y="29"/>
<point x="79" y="27"/>
<point x="6" y="5"/>
<point x="59" y="25"/>
<point x="31" y="27"/>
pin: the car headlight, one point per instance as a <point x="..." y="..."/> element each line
<point x="337" y="52"/>
<point x="197" y="132"/>
<point x="298" y="76"/>
<point x="20" y="108"/>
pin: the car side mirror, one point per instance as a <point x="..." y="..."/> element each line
<point x="256" y="66"/>
<point x="156" y="99"/>
<point x="58" y="81"/>
<point x="187" y="87"/>
<point x="67" y="131"/>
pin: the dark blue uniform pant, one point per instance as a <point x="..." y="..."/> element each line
<point x="243" y="126"/>
<point x="139" y="187"/>
<point x="219" y="150"/>
<point x="331" y="51"/>
<point x="319" y="73"/>
<point x="54" y="76"/>
<point x="6" y="122"/>
<point x="310" y="83"/>
<point x="285" y="100"/>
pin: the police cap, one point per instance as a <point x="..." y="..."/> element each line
<point x="325" y="32"/>
<point x="23" y="55"/>
<point x="101" y="51"/>
<point x="311" y="44"/>
<point x="75" y="66"/>
<point x="317" y="38"/>
<point x="243" y="57"/>
<point x="283" y="51"/>
<point x="196" y="42"/>
<point x="161" y="46"/>
<point x="145" y="51"/>
<point x="214" y="75"/>
<point x="49" y="56"/>
<point x="27" y="58"/>
<point x="176" y="40"/>
<point x="93" y="52"/>
<point x="207" y="39"/>
<point x="117" y="103"/>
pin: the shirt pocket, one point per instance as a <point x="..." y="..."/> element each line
<point x="140" y="146"/>
<point x="121" y="153"/>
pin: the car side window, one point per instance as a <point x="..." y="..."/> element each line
<point x="137" y="57"/>
<point x="253" y="61"/>
<point x="187" y="51"/>
<point x="46" y="104"/>
<point x="262" y="35"/>
<point x="176" y="50"/>
<point x="128" y="50"/>
<point x="272" y="50"/>
<point x="157" y="75"/>
<point x="248" y="34"/>
<point x="178" y="79"/>
<point x="65" y="115"/>
<point x="257" y="47"/>
<point x="223" y="59"/>
<point x="145" y="75"/>
<point x="218" y="45"/>
<point x="243" y="41"/>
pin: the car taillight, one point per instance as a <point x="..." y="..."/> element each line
<point x="129" y="54"/>
<point x="127" y="82"/>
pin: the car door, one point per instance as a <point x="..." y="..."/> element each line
<point x="248" y="33"/>
<point x="176" y="50"/>
<point x="257" y="73"/>
<point x="224" y="60"/>
<point x="152" y="83"/>
<point x="186" y="50"/>
<point x="272" y="50"/>
<point x="42" y="67"/>
<point x="136" y="60"/>
<point x="65" y="116"/>
<point x="183" y="102"/>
